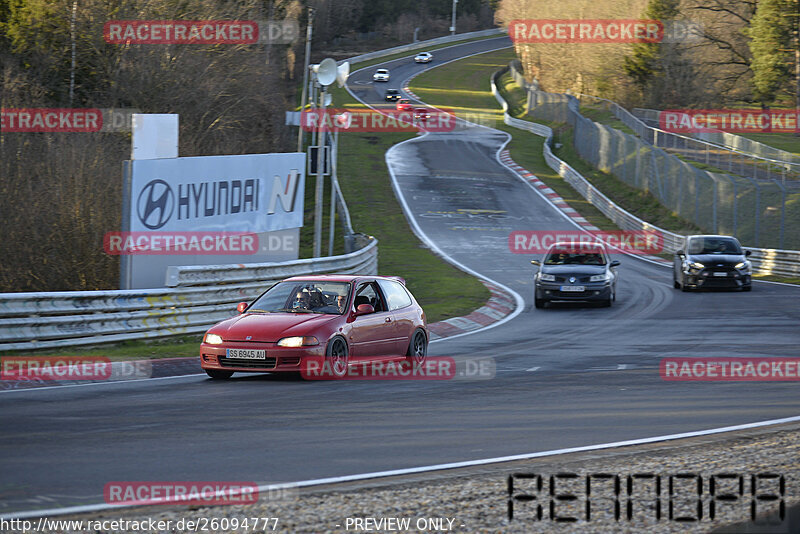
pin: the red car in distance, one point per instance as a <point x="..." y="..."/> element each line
<point x="405" y="104"/>
<point x="340" y="320"/>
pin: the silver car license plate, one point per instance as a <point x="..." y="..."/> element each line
<point x="574" y="289"/>
<point x="250" y="354"/>
<point x="720" y="274"/>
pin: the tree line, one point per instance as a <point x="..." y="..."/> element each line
<point x="742" y="54"/>
<point x="61" y="192"/>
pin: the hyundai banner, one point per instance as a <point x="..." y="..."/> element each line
<point x="208" y="210"/>
<point x="248" y="193"/>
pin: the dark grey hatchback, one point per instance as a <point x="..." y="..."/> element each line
<point x="575" y="272"/>
<point x="712" y="261"/>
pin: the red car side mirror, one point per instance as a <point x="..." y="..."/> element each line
<point x="364" y="309"/>
<point x="241" y="307"/>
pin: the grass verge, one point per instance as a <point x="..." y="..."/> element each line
<point x="173" y="347"/>
<point x="441" y="289"/>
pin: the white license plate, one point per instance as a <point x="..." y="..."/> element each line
<point x="250" y="354"/>
<point x="575" y="289"/>
<point x="720" y="274"/>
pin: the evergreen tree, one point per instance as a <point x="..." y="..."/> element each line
<point x="771" y="32"/>
<point x="643" y="65"/>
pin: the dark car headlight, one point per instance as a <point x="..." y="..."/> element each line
<point x="598" y="278"/>
<point x="745" y="266"/>
<point x="547" y="277"/>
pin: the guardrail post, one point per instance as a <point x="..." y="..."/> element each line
<point x="783" y="212"/>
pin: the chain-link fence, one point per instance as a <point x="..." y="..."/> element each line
<point x="733" y="142"/>
<point x="757" y="211"/>
<point x="706" y="149"/>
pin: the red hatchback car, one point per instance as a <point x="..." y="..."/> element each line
<point x="341" y="320"/>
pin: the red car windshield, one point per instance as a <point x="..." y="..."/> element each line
<point x="304" y="297"/>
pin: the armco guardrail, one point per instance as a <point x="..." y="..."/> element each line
<point x="757" y="211"/>
<point x="425" y="44"/>
<point x="737" y="143"/>
<point x="200" y="297"/>
<point x="765" y="261"/>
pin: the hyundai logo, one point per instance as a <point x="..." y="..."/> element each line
<point x="155" y="204"/>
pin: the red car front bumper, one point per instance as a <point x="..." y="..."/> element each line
<point x="278" y="359"/>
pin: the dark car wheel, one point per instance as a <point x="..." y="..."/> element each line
<point x="747" y="288"/>
<point x="218" y="374"/>
<point x="417" y="348"/>
<point x="539" y="303"/>
<point x="683" y="284"/>
<point x="675" y="283"/>
<point x="337" y="357"/>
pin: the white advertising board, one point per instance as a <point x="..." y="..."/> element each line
<point x="208" y="210"/>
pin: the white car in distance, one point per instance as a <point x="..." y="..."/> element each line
<point x="381" y="75"/>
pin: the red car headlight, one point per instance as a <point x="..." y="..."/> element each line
<point x="298" y="341"/>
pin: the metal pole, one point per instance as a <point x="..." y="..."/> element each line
<point x="305" y="75"/>
<point x="735" y="202"/>
<point x="320" y="178"/>
<point x="453" y="23"/>
<point x="332" y="230"/>
<point x="313" y="97"/>
<point x="72" y="38"/>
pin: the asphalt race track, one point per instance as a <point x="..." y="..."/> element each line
<point x="566" y="376"/>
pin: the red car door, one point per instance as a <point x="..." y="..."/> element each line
<point x="372" y="336"/>
<point x="405" y="315"/>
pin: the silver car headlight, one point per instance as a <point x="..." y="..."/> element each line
<point x="694" y="266"/>
<point x="744" y="266"/>
<point x="547" y="278"/>
<point x="598" y="278"/>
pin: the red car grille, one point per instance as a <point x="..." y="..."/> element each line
<point x="268" y="363"/>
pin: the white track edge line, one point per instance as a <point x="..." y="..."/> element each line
<point x="429" y="468"/>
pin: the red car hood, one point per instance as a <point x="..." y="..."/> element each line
<point x="270" y="327"/>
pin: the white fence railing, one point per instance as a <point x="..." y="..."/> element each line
<point x="765" y="261"/>
<point x="199" y="296"/>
